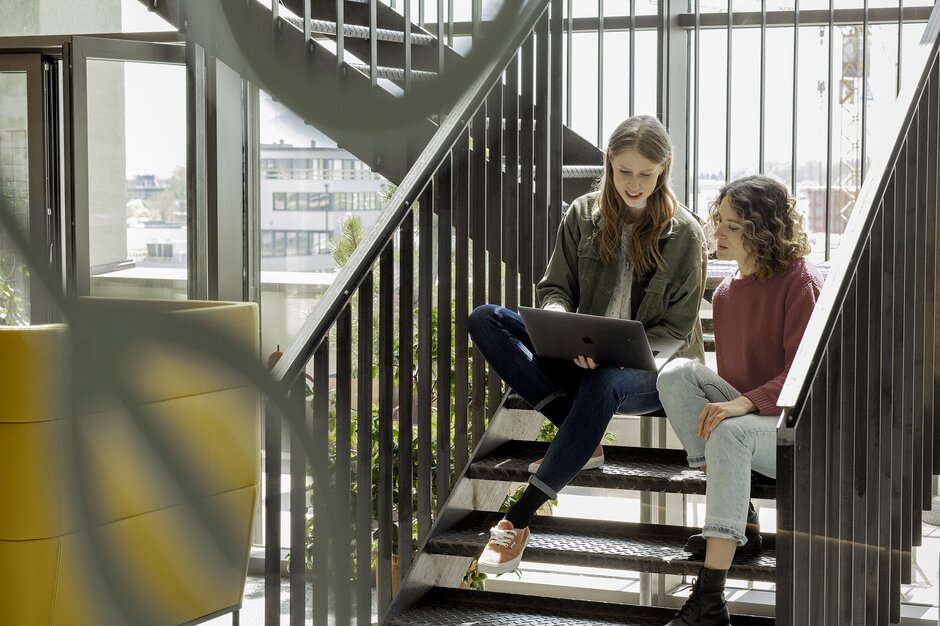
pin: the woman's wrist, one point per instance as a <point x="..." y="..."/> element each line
<point x="746" y="405"/>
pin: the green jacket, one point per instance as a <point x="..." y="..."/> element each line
<point x="666" y="301"/>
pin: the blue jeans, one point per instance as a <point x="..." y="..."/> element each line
<point x="736" y="446"/>
<point x="593" y="395"/>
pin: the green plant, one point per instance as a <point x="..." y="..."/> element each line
<point x="351" y="235"/>
<point x="548" y="431"/>
<point x="474" y="578"/>
<point x="12" y="305"/>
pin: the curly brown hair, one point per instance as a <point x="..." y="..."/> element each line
<point x="646" y="135"/>
<point x="773" y="228"/>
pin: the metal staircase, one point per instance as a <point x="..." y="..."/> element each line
<point x="404" y="54"/>
<point x="495" y="229"/>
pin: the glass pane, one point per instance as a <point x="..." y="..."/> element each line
<point x="310" y="191"/>
<point x="648" y="7"/>
<point x="644" y="94"/>
<point x="778" y="103"/>
<point x="713" y="72"/>
<point x="584" y="85"/>
<point x="846" y="129"/>
<point x="14" y="186"/>
<point x="137" y="179"/>
<point x="745" y="102"/>
<point x="812" y="115"/>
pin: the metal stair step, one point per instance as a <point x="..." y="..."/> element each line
<point x="393" y="73"/>
<point x="708" y="341"/>
<point x="582" y="171"/>
<point x="325" y="27"/>
<point x="461" y="607"/>
<point x="653" y="548"/>
<point x="641" y="469"/>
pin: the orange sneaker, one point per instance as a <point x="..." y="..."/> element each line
<point x="504" y="550"/>
<point x="596" y="460"/>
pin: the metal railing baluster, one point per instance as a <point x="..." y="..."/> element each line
<point x="494" y="167"/>
<point x="323" y="532"/>
<point x="408" y="57"/>
<point x="425" y="302"/>
<point x="600" y="73"/>
<point x="272" y="517"/>
<point x="373" y="43"/>
<point x="298" y="510"/>
<point x="478" y="246"/>
<point x="728" y="91"/>
<point x="461" y="182"/>
<point x="443" y="192"/>
<point x="342" y="537"/>
<point x="406" y="317"/>
<point x="511" y="185"/>
<point x="364" y="450"/>
<point x="385" y="488"/>
<point x="527" y="166"/>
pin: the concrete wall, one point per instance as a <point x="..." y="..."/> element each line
<point x="54" y="17"/>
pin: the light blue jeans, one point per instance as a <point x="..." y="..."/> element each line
<point x="736" y="446"/>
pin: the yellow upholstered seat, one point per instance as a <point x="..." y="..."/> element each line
<point x="175" y="563"/>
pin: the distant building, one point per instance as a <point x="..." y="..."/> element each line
<point x="812" y="203"/>
<point x="306" y="193"/>
<point x="144" y="187"/>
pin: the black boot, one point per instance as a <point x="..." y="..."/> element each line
<point x="696" y="543"/>
<point x="706" y="606"/>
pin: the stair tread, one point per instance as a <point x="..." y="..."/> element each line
<point x="445" y="607"/>
<point x="653" y="548"/>
<point x="646" y="469"/>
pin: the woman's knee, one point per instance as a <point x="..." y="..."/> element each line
<point x="480" y="317"/>
<point x="727" y="436"/>
<point x="674" y="375"/>
<point x="618" y="381"/>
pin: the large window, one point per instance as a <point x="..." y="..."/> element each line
<point x="323" y="201"/>
<point x="294" y="242"/>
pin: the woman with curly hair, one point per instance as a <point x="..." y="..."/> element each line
<point x="727" y="422"/>
<point x="628" y="251"/>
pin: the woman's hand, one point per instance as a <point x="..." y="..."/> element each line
<point x="584" y="362"/>
<point x="714" y="412"/>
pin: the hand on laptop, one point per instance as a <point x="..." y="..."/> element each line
<point x="585" y="361"/>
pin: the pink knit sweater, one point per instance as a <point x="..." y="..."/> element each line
<point x="758" y="327"/>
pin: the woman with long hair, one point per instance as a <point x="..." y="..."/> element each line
<point x="629" y="250"/>
<point x="727" y="422"/>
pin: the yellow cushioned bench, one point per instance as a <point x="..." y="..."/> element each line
<point x="210" y="417"/>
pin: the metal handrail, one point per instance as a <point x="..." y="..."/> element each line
<point x="317" y="325"/>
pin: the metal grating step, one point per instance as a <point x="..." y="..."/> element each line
<point x="394" y="73"/>
<point x="324" y="27"/>
<point x="653" y="548"/>
<point x="459" y="607"/>
<point x="582" y="171"/>
<point x="642" y="469"/>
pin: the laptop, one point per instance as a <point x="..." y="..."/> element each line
<point x="608" y="340"/>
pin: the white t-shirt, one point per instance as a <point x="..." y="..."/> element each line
<point x="621" y="298"/>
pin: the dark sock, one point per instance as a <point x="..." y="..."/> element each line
<point x="557" y="410"/>
<point x="525" y="507"/>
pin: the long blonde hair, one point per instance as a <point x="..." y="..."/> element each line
<point x="646" y="135"/>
